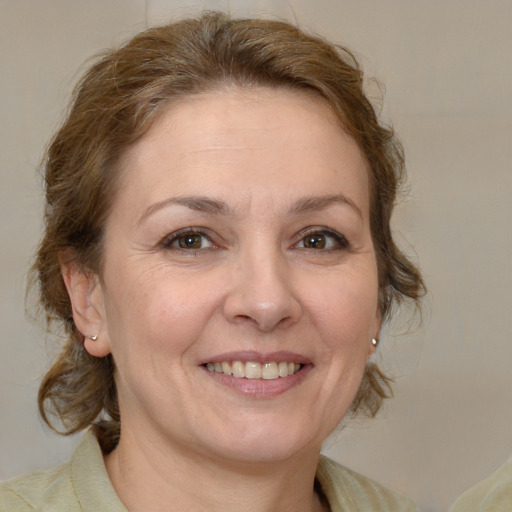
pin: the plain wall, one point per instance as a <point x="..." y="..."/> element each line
<point x="447" y="70"/>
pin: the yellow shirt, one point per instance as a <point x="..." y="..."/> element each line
<point x="494" y="494"/>
<point x="82" y="484"/>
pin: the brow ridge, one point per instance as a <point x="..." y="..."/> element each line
<point x="217" y="207"/>
<point x="321" y="202"/>
<point x="197" y="203"/>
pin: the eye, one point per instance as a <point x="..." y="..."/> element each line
<point x="323" y="239"/>
<point x="188" y="240"/>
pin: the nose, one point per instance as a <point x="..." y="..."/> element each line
<point x="262" y="293"/>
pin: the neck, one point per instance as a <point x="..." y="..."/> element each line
<point x="152" y="477"/>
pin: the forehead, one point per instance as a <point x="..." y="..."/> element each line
<point x="232" y="139"/>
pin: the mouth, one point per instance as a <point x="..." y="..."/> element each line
<point x="258" y="375"/>
<point x="254" y="370"/>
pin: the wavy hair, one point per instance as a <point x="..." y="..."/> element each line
<point x="115" y="104"/>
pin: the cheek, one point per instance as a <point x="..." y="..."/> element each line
<point x="163" y="312"/>
<point x="344" y="315"/>
<point x="345" y="309"/>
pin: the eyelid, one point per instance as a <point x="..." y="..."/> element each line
<point x="168" y="240"/>
<point x="341" y="240"/>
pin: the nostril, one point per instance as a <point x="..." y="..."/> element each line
<point x="264" y="298"/>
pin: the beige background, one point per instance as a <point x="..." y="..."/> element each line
<point x="447" y="69"/>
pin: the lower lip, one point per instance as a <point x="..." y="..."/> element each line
<point x="260" y="388"/>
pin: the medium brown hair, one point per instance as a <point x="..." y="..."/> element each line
<point x="115" y="104"/>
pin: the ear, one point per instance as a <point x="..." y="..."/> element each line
<point x="86" y="296"/>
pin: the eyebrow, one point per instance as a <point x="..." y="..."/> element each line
<point x="216" y="207"/>
<point x="321" y="202"/>
<point x="197" y="203"/>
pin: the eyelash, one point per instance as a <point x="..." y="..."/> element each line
<point x="168" y="242"/>
<point x="338" y="241"/>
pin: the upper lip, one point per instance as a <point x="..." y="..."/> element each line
<point x="258" y="357"/>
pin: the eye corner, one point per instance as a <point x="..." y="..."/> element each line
<point x="321" y="239"/>
<point x="188" y="240"/>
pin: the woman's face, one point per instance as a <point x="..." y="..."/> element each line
<point x="238" y="294"/>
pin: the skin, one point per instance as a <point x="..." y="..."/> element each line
<point x="283" y="261"/>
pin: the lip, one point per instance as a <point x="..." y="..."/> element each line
<point x="259" y="357"/>
<point x="256" y="388"/>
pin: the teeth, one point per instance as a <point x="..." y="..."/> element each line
<point x="252" y="370"/>
<point x="226" y="368"/>
<point x="282" y="368"/>
<point x="238" y="369"/>
<point x="269" y="371"/>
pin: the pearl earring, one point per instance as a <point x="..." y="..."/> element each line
<point x="375" y="342"/>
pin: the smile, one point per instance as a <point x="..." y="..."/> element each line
<point x="254" y="370"/>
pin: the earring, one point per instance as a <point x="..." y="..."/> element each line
<point x="93" y="338"/>
<point x="375" y="342"/>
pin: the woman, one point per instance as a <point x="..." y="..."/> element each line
<point x="218" y="251"/>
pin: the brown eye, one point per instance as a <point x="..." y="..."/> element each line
<point x="190" y="241"/>
<point x="314" y="241"/>
<point x="323" y="240"/>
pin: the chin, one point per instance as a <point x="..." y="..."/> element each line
<point x="264" y="445"/>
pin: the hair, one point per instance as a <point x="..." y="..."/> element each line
<point x="115" y="104"/>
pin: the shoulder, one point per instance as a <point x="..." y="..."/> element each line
<point x="82" y="484"/>
<point x="348" y="490"/>
<point x="494" y="494"/>
<point x="31" y="491"/>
